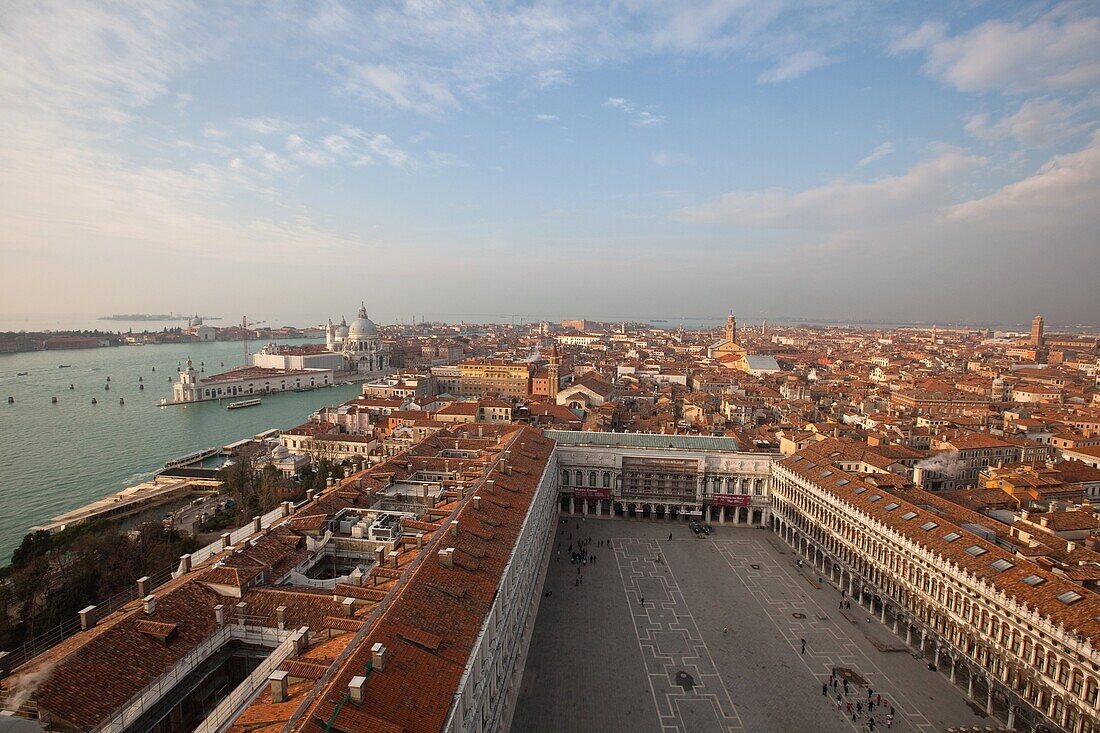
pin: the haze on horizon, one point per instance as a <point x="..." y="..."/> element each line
<point x="843" y="161"/>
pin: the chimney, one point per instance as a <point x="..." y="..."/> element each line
<point x="255" y="524"/>
<point x="278" y="685"/>
<point x="355" y="689"/>
<point x="144" y="586"/>
<point x="280" y="617"/>
<point x="185" y="564"/>
<point x="225" y="540"/>
<point x="419" y="540"/>
<point x="87" y="621"/>
<point x="477" y="501"/>
<point x="242" y="612"/>
<point x="150" y="602"/>
<point x="454" y="528"/>
<point x="349" y="607"/>
<point x="392" y="555"/>
<point x="380" y="555"/>
<point x="356" y="576"/>
<point x="447" y="557"/>
<point x="219" y="614"/>
<point x="489" y="485"/>
<point x="378" y="656"/>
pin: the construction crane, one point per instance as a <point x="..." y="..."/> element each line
<point x="245" y="326"/>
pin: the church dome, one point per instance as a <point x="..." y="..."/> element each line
<point x="362" y="327"/>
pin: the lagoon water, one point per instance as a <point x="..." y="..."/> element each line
<point x="54" y="458"/>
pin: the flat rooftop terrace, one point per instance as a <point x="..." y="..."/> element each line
<point x="602" y="660"/>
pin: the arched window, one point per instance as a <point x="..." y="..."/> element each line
<point x="606" y="480"/>
<point x="591" y="478"/>
<point x="565" y="477"/>
<point x="578" y="477"/>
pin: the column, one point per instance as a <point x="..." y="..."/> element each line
<point x="970" y="685"/>
<point x="989" y="698"/>
<point x="584" y="507"/>
<point x="923" y="637"/>
<point x="721" y="514"/>
<point x="895" y="621"/>
<point x="572" y="509"/>
<point x="953" y="672"/>
<point x="851" y="585"/>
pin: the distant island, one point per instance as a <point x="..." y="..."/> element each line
<point x="152" y="317"/>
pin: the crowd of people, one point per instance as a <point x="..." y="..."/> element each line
<point x="874" y="711"/>
<point x="577" y="550"/>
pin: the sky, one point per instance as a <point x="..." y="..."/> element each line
<point x="639" y="159"/>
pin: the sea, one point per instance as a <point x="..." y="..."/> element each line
<point x="57" y="457"/>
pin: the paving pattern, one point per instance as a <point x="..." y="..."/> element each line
<point x="687" y="690"/>
<point x="797" y="616"/>
<point x="715" y="647"/>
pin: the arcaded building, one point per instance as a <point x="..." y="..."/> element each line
<point x="1018" y="637"/>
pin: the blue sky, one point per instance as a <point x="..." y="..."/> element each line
<point x="640" y="159"/>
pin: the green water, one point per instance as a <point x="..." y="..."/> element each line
<point x="54" y="458"/>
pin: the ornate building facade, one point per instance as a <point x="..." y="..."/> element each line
<point x="360" y="344"/>
<point x="1018" y="637"/>
<point x="661" y="476"/>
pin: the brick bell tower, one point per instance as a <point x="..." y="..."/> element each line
<point x="552" y="370"/>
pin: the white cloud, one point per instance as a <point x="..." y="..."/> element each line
<point x="1065" y="187"/>
<point x="547" y="118"/>
<point x="431" y="58"/>
<point x="263" y="125"/>
<point x="409" y="87"/>
<point x="919" y="193"/>
<point x="881" y="151"/>
<point x="1037" y="123"/>
<point x="550" y="78"/>
<point x="668" y="160"/>
<point x="794" y="66"/>
<point x="639" y="116"/>
<point x="1057" y="50"/>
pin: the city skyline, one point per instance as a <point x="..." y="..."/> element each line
<point x="839" y="163"/>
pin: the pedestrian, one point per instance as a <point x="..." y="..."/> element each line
<point x="803" y="646"/>
<point x="878" y="699"/>
<point x="670" y="537"/>
<point x="890" y="721"/>
<point x="859" y="708"/>
<point x="643" y="600"/>
<point x="869" y="693"/>
<point x="725" y="630"/>
<point x="891" y="711"/>
<point x="845" y="687"/>
<point x="838" y="702"/>
<point x="825" y="689"/>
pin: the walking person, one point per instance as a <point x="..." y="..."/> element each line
<point x="803" y="646"/>
<point x="670" y="537"/>
<point x="824" y="689"/>
<point x="725" y="630"/>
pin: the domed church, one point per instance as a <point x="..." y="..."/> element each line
<point x="360" y="343"/>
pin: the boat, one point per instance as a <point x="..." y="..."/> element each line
<point x="190" y="458"/>
<point x="21" y="374"/>
<point x="63" y="366"/>
<point x="243" y="403"/>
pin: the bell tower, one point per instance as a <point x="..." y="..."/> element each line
<point x="731" y="328"/>
<point x="553" y="369"/>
